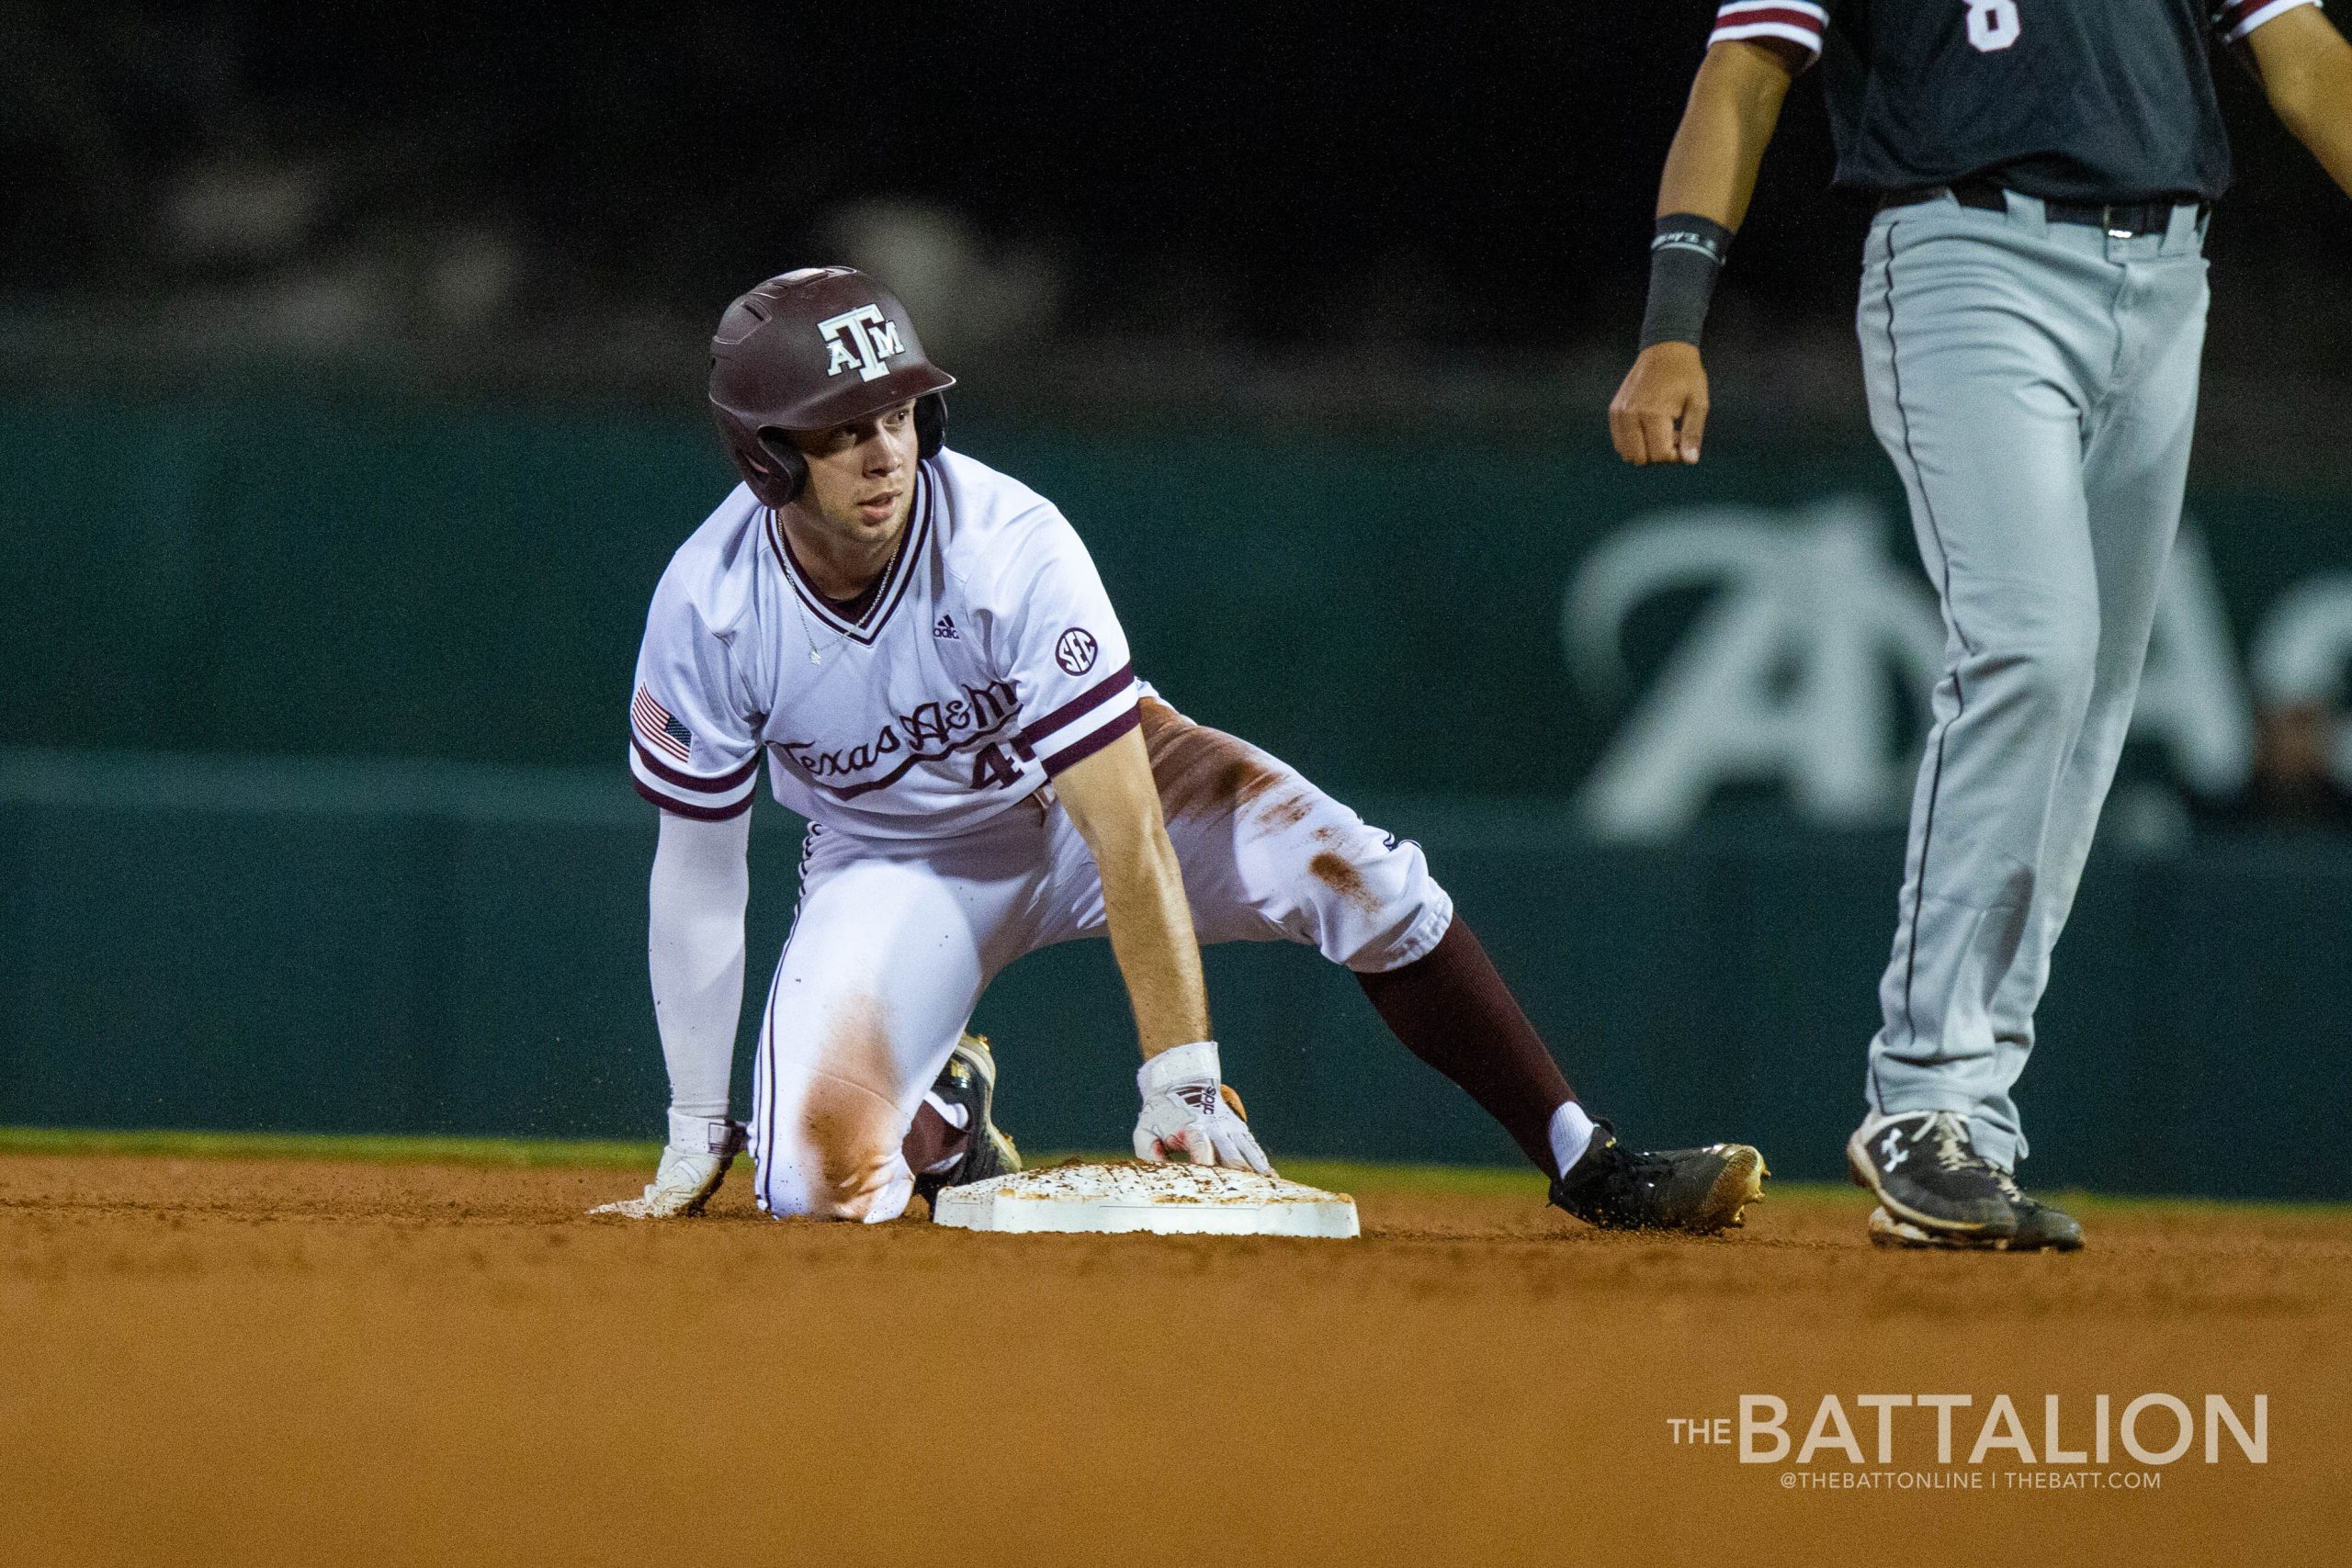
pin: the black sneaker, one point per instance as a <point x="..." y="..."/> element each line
<point x="2040" y="1228"/>
<point x="1699" y="1192"/>
<point x="1931" y="1179"/>
<point x="970" y="1080"/>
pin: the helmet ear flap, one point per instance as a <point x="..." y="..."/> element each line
<point x="792" y="468"/>
<point x="931" y="424"/>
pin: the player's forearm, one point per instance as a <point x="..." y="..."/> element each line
<point x="2313" y="99"/>
<point x="1735" y="105"/>
<point x="1114" y="803"/>
<point x="695" y="955"/>
<point x="1152" y="937"/>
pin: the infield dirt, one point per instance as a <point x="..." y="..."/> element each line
<point x="245" y="1362"/>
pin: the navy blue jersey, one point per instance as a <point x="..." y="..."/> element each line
<point x="2073" y="100"/>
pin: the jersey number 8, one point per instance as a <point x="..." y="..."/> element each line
<point x="1992" y="25"/>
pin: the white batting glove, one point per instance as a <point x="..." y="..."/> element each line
<point x="693" y="1165"/>
<point x="1185" y="1113"/>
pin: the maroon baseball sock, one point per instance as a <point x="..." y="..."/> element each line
<point x="1453" y="1011"/>
<point x="930" y="1140"/>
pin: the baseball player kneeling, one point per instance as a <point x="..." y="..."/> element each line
<point x="921" y="649"/>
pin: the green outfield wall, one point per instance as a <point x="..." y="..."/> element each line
<point x="357" y="946"/>
<point x="312" y="813"/>
<point x="316" y="578"/>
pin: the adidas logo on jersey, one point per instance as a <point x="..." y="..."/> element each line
<point x="946" y="628"/>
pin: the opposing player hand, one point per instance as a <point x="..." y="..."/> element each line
<point x="1660" y="412"/>
<point x="1187" y="1114"/>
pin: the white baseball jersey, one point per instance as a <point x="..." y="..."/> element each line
<point x="986" y="660"/>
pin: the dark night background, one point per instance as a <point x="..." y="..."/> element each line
<point x="1374" y="211"/>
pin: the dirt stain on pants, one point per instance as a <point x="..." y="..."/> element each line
<point x="851" y="1121"/>
<point x="1339" y="875"/>
<point x="1206" y="773"/>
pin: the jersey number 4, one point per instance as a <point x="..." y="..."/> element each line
<point x="993" y="768"/>
<point x="1993" y="25"/>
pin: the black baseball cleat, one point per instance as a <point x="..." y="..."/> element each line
<point x="1697" y="1191"/>
<point x="970" y="1080"/>
<point x="2040" y="1228"/>
<point x="1929" y="1179"/>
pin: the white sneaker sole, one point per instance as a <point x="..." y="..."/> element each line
<point x="1888" y="1231"/>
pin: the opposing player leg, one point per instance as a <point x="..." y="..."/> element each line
<point x="889" y="950"/>
<point x="1977" y="392"/>
<point x="1998" y="351"/>
<point x="1268" y="856"/>
<point x="2135" y="464"/>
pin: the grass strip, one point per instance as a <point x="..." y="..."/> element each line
<point x="362" y="1148"/>
<point x="1338" y="1176"/>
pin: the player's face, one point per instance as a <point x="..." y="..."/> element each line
<point x="861" y="475"/>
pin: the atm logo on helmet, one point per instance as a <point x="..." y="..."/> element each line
<point x="860" y="340"/>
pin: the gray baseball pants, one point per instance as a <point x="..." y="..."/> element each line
<point x="2035" y="384"/>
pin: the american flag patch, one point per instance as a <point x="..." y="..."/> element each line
<point x="657" y="728"/>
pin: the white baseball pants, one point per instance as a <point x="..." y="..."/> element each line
<point x="895" y="941"/>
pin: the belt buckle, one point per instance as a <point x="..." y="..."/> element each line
<point x="2114" y="229"/>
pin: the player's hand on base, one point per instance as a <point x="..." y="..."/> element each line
<point x="693" y="1165"/>
<point x="1660" y="412"/>
<point x="1187" y="1115"/>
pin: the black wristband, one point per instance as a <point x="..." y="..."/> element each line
<point x="1684" y="259"/>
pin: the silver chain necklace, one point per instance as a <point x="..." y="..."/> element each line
<point x="808" y="636"/>
<point x="816" y="653"/>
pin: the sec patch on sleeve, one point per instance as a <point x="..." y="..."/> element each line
<point x="1076" y="651"/>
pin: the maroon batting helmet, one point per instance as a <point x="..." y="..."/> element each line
<point x="807" y="351"/>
